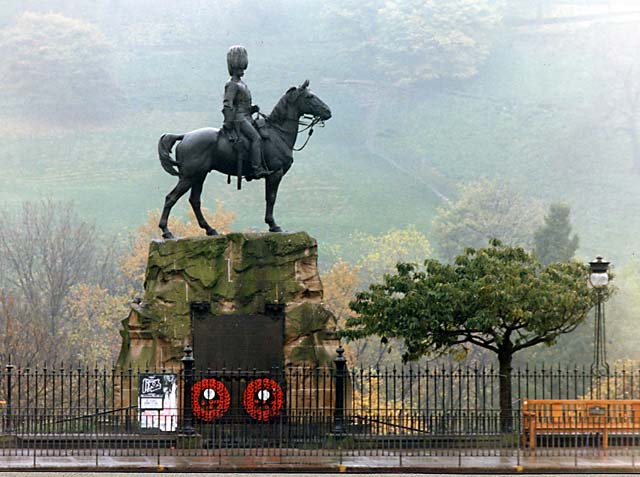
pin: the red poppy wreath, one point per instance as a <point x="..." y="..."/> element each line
<point x="210" y="399"/>
<point x="263" y="399"/>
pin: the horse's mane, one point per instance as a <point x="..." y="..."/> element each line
<point x="279" y="112"/>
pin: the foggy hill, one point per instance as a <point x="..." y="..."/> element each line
<point x="541" y="98"/>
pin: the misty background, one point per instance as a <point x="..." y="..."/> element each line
<point x="537" y="101"/>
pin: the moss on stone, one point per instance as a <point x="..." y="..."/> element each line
<point x="235" y="273"/>
<point x="272" y="249"/>
<point x="147" y="357"/>
<point x="306" y="319"/>
<point x="304" y="351"/>
<point x="323" y="357"/>
<point x="310" y="350"/>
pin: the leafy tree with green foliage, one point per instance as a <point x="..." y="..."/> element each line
<point x="55" y="67"/>
<point x="382" y="252"/>
<point x="553" y="240"/>
<point x="484" y="210"/>
<point x="413" y="40"/>
<point x="378" y="254"/>
<point x="499" y="298"/>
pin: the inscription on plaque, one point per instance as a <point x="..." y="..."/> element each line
<point x="238" y="341"/>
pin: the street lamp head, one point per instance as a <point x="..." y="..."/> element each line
<point x="599" y="276"/>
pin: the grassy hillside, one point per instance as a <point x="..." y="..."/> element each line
<point x="113" y="175"/>
<point x="388" y="157"/>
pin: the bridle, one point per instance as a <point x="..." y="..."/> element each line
<point x="313" y="121"/>
<point x="307" y="121"/>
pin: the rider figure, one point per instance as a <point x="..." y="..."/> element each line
<point x="237" y="109"/>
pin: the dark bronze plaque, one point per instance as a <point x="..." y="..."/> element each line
<point x="237" y="341"/>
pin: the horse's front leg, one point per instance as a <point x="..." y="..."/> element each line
<point x="194" y="200"/>
<point x="272" y="182"/>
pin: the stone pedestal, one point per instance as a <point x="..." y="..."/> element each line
<point x="236" y="274"/>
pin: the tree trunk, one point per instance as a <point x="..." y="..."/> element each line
<point x="505" y="357"/>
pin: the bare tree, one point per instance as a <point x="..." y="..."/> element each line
<point x="46" y="249"/>
<point x="22" y="340"/>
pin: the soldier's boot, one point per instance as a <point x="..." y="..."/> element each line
<point x="257" y="170"/>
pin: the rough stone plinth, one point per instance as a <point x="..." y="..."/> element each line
<point x="237" y="274"/>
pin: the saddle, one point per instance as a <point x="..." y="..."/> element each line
<point x="241" y="145"/>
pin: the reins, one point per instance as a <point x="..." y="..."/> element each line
<point x="314" y="120"/>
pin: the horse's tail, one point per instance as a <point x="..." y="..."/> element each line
<point x="165" y="144"/>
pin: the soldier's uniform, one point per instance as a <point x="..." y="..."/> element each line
<point x="237" y="109"/>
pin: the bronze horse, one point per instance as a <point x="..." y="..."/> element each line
<point x="205" y="150"/>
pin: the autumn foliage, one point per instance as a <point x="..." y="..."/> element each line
<point x="133" y="263"/>
<point x="63" y="293"/>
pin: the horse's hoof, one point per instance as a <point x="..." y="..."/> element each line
<point x="276" y="229"/>
<point x="168" y="236"/>
<point x="211" y="232"/>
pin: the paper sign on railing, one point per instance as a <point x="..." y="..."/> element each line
<point x="157" y="402"/>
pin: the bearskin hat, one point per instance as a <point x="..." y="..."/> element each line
<point x="237" y="58"/>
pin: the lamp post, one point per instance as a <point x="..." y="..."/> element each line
<point x="599" y="279"/>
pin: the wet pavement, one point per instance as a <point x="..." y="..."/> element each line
<point x="258" y="474"/>
<point x="224" y="463"/>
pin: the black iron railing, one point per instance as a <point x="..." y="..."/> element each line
<point x="317" y="411"/>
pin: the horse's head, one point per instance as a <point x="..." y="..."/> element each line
<point x="308" y="103"/>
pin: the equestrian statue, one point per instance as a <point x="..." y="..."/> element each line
<point x="260" y="148"/>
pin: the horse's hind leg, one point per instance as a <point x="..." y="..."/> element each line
<point x="194" y="200"/>
<point x="171" y="199"/>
